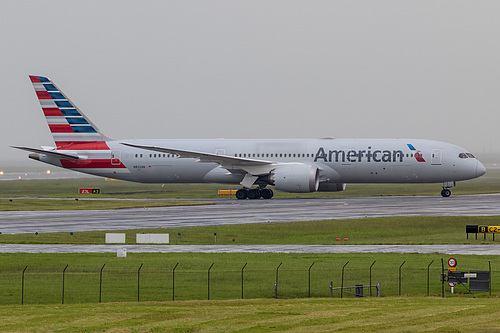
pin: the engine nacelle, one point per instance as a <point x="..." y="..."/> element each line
<point x="296" y="178"/>
<point x="331" y="187"/>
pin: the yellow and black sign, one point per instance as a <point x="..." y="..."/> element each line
<point x="487" y="229"/>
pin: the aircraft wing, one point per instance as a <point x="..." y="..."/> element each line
<point x="54" y="153"/>
<point x="233" y="164"/>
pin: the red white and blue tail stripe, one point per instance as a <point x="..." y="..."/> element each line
<point x="70" y="128"/>
<point x="79" y="143"/>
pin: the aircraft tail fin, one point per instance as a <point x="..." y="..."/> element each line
<point x="70" y="128"/>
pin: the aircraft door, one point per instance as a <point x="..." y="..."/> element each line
<point x="115" y="157"/>
<point x="436" y="155"/>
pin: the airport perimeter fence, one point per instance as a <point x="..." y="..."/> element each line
<point x="77" y="284"/>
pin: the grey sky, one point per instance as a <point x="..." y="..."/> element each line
<point x="243" y="69"/>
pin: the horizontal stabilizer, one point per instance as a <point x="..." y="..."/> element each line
<point x="54" y="153"/>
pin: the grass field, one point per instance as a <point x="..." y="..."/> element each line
<point x="400" y="314"/>
<point x="122" y="284"/>
<point x="382" y="230"/>
<point x="21" y="204"/>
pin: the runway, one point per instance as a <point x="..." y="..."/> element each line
<point x="426" y="249"/>
<point x="232" y="211"/>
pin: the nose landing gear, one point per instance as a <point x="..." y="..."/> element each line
<point x="445" y="193"/>
<point x="446" y="189"/>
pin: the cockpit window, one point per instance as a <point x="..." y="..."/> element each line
<point x="470" y="155"/>
<point x="462" y="155"/>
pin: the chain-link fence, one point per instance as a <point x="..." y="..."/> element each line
<point x="77" y="284"/>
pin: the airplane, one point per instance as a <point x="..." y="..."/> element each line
<point x="289" y="165"/>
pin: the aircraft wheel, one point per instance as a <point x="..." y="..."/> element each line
<point x="266" y="193"/>
<point x="254" y="193"/>
<point x="241" y="194"/>
<point x="445" y="193"/>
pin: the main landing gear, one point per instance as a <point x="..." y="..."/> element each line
<point x="254" y="193"/>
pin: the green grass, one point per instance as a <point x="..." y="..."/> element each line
<point x="83" y="204"/>
<point x="382" y="230"/>
<point x="292" y="312"/>
<point x="299" y="315"/>
<point x="68" y="188"/>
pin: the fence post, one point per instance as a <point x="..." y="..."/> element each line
<point x="400" y="277"/>
<point x="342" y="285"/>
<point x="489" y="265"/>
<point x="310" y="277"/>
<point x="242" y="279"/>
<point x="371" y="276"/>
<point x="100" y="282"/>
<point x="331" y="288"/>
<point x="209" y="280"/>
<point x="276" y="282"/>
<point x="428" y="268"/>
<point x="22" y="286"/>
<point x="378" y="290"/>
<point x="442" y="278"/>
<point x="173" y="282"/>
<point x="139" y="282"/>
<point x="64" y="272"/>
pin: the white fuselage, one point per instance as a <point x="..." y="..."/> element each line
<point x="338" y="160"/>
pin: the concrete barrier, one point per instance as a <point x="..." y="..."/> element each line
<point x="115" y="238"/>
<point x="152" y="238"/>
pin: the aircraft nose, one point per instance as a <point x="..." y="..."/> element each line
<point x="480" y="169"/>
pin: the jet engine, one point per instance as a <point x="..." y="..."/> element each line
<point x="296" y="178"/>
